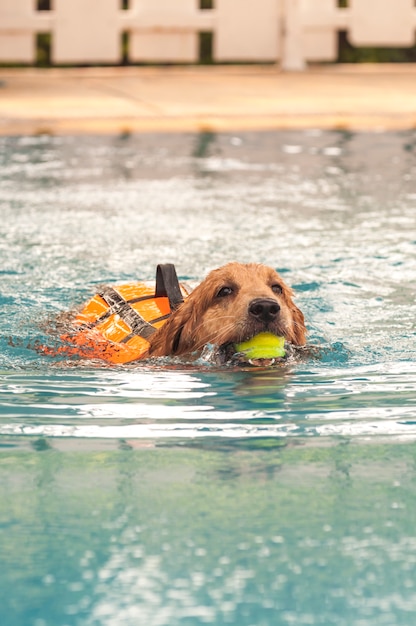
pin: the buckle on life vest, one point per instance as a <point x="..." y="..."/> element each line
<point x="116" y="323"/>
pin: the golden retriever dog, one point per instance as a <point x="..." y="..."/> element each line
<point x="233" y="304"/>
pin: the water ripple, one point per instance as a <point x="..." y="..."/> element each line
<point x="359" y="402"/>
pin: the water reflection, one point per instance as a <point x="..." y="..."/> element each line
<point x="204" y="536"/>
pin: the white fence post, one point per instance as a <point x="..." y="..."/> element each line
<point x="86" y="31"/>
<point x="382" y="22"/>
<point x="164" y="31"/>
<point x="18" y="25"/>
<point x="292" y="59"/>
<point x="247" y="30"/>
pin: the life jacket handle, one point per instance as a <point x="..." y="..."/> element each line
<point x="167" y="285"/>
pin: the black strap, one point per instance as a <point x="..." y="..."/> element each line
<point x="118" y="305"/>
<point x="167" y="285"/>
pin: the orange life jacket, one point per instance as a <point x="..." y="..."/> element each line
<point x="116" y="323"/>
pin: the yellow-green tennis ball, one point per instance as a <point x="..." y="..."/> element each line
<point x="262" y="346"/>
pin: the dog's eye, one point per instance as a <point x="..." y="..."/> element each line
<point x="277" y="289"/>
<point x="224" y="291"/>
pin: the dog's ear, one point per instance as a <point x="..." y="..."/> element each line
<point x="297" y="333"/>
<point x="299" y="328"/>
<point x="175" y="336"/>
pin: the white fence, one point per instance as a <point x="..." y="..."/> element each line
<point x="290" y="31"/>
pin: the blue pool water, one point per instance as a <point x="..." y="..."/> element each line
<point x="175" y="494"/>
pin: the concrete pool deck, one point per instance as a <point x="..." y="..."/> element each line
<point x="206" y="98"/>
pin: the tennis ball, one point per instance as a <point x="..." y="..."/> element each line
<point x="262" y="346"/>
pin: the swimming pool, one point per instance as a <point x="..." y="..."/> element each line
<point x="191" y="494"/>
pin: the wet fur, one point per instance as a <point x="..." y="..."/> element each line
<point x="207" y="317"/>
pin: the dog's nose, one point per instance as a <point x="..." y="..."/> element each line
<point x="264" y="309"/>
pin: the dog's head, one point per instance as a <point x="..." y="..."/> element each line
<point x="233" y="304"/>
